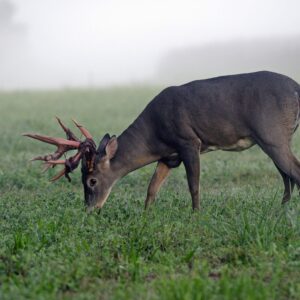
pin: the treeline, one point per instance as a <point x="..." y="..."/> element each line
<point x="274" y="54"/>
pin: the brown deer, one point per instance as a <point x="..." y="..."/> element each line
<point x="230" y="113"/>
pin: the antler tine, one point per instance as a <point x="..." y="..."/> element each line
<point x="46" y="167"/>
<point x="57" y="162"/>
<point x="56" y="155"/>
<point x="54" y="141"/>
<point x="57" y="176"/>
<point x="83" y="130"/>
<point x="62" y="124"/>
<point x="39" y="158"/>
<point x="69" y="133"/>
<point x="70" y="165"/>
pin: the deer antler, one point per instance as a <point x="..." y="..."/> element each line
<point x="63" y="146"/>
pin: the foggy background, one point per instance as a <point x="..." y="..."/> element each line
<point x="91" y="43"/>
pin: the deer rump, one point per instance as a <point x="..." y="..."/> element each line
<point x="230" y="113"/>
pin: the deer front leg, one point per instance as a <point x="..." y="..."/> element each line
<point x="161" y="173"/>
<point x="191" y="160"/>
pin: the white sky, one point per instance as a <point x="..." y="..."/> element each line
<point x="76" y="42"/>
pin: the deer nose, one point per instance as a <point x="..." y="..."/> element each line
<point x="92" y="208"/>
<point x="89" y="209"/>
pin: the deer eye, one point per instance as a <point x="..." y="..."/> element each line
<point x="92" y="182"/>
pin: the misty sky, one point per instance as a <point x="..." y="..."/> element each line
<point x="99" y="42"/>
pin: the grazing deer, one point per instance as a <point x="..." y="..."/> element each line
<point x="230" y="113"/>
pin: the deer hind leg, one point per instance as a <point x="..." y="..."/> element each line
<point x="287" y="164"/>
<point x="288" y="186"/>
<point x="160" y="175"/>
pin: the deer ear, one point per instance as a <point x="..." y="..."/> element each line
<point x="111" y="147"/>
<point x="103" y="143"/>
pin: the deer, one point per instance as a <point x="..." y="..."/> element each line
<point x="230" y="113"/>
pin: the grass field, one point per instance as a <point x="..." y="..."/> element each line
<point x="242" y="245"/>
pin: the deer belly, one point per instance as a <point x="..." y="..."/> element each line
<point x="240" y="145"/>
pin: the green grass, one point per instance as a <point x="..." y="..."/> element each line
<point x="242" y="245"/>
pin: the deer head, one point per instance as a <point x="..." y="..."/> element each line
<point x="97" y="177"/>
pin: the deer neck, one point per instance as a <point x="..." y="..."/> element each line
<point x="133" y="151"/>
